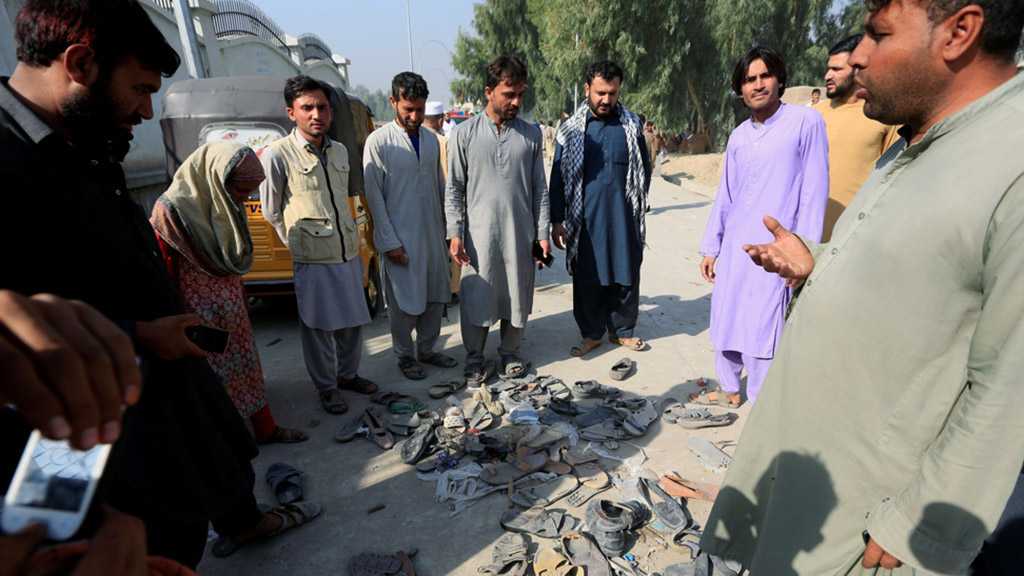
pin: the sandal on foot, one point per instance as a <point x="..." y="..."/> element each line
<point x="357" y="384"/>
<point x="333" y="401"/>
<point x="622" y="369"/>
<point x="291" y="515"/>
<point x="593" y="480"/>
<point x="634" y="344"/>
<point x="285" y="482"/>
<point x="377" y="431"/>
<point x="539" y="522"/>
<point x="513" y="367"/>
<point x="411" y="369"/>
<point x="282" y="435"/>
<point x="717" y="397"/>
<point x="440" y="360"/>
<point x="446" y="388"/>
<point x="585" y="347"/>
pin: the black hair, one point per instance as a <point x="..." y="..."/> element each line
<point x="847" y="44"/>
<point x="816" y="91"/>
<point x="113" y="29"/>
<point x="409" y="85"/>
<point x="506" y="68"/>
<point x="772" y="60"/>
<point x="1001" y="32"/>
<point x="606" y="69"/>
<point x="298" y="85"/>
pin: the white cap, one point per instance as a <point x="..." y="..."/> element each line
<point x="434" y="108"/>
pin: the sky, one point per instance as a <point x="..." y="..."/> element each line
<point x="372" y="34"/>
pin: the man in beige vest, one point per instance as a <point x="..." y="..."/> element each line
<point x="433" y="119"/>
<point x="305" y="199"/>
<point x="855" y="142"/>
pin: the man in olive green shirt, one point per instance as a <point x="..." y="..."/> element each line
<point x="889" y="433"/>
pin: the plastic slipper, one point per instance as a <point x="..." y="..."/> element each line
<point x="285" y="482"/>
<point x="682" y="488"/>
<point x="398" y="403"/>
<point x="593" y="389"/>
<point x="710" y="456"/>
<point x="291" y="515"/>
<point x="696" y="418"/>
<point x="446" y="388"/>
<point x="593" y="480"/>
<point x="485" y="397"/>
<point x="550" y="562"/>
<point x="545" y="494"/>
<point x="509" y="557"/>
<point x="351" y="429"/>
<point x="584" y="347"/>
<point x="622" y="369"/>
<point x="377" y="432"/>
<point x="716" y="397"/>
<point x="480" y="418"/>
<point x="634" y="344"/>
<point x="581" y="550"/>
<point x="416" y="446"/>
<point x="539" y="522"/>
<point x="411" y="369"/>
<point x="440" y="360"/>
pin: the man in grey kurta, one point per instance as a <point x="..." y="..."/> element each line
<point x="305" y="199"/>
<point x="404" y="188"/>
<point x="889" y="430"/>
<point x="497" y="206"/>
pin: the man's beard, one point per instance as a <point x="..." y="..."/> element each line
<point x="91" y="121"/>
<point x="409" y="126"/>
<point x="841" y="91"/>
<point x="594" y="109"/>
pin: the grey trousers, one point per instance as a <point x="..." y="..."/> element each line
<point x="427" y="326"/>
<point x="331" y="354"/>
<point x="474" y="338"/>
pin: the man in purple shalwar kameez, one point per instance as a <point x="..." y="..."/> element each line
<point x="776" y="164"/>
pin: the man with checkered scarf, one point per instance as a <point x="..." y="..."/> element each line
<point x="599" y="182"/>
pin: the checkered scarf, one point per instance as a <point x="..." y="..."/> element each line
<point x="571" y="137"/>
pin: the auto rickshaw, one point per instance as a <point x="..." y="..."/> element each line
<point x="251" y="110"/>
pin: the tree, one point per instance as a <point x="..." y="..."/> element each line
<point x="375" y="100"/>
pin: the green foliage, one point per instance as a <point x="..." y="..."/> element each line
<point x="678" y="55"/>
<point x="376" y="100"/>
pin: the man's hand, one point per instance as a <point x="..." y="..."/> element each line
<point x="545" y="247"/>
<point x="398" y="256"/>
<point x="166" y="337"/>
<point x="558" y="235"/>
<point x="787" y="256"/>
<point x="875" y="556"/>
<point x="119" y="547"/>
<point x="66" y="368"/>
<point x="16" y="549"/>
<point x="458" y="251"/>
<point x="707" y="268"/>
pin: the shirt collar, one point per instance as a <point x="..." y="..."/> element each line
<point x="26" y="119"/>
<point x="306" y="145"/>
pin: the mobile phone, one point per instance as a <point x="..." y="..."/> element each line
<point x="208" y="338"/>
<point x="53" y="486"/>
<point x="538" y="253"/>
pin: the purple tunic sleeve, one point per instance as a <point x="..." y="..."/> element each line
<point x="712" y="243"/>
<point x="810" y="215"/>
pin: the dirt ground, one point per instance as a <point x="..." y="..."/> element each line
<point x="701" y="172"/>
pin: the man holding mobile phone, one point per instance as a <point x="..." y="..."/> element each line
<point x="600" y="224"/>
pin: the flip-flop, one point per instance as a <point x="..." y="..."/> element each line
<point x="446" y="388"/>
<point x="716" y="397"/>
<point x="291" y="515"/>
<point x="696" y="418"/>
<point x="415" y="448"/>
<point x="634" y="344"/>
<point x="411" y="369"/>
<point x="378" y="433"/>
<point x="285" y="482"/>
<point x="539" y="522"/>
<point x="585" y="347"/>
<point x="486" y="397"/>
<point x="593" y="480"/>
<point x="622" y="369"/>
<point x="440" y="360"/>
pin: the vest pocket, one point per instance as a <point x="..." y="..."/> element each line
<point x="312" y="240"/>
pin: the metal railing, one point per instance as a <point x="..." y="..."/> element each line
<point x="236" y="18"/>
<point x="314" y="48"/>
<point x="163" y="4"/>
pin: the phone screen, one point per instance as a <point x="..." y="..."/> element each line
<point x="58" y="476"/>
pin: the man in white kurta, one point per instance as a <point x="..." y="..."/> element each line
<point x="404" y="188"/>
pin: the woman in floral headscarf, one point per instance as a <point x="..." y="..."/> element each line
<point x="201" y="228"/>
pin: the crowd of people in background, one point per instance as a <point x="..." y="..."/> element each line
<point x="864" y="255"/>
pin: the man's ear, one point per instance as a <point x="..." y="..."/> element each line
<point x="291" y="113"/>
<point x="80" y="64"/>
<point x="962" y="32"/>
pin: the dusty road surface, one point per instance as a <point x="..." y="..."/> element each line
<point x="350" y="479"/>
